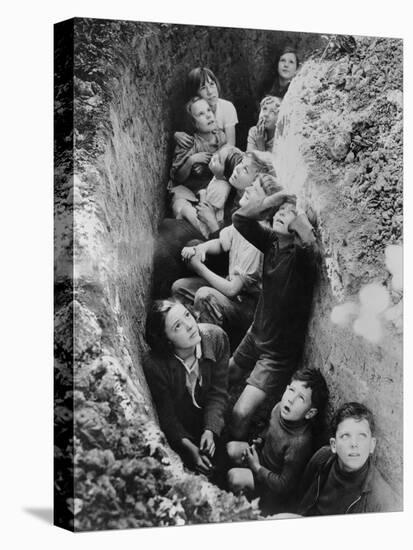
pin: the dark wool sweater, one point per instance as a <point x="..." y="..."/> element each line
<point x="321" y="491"/>
<point x="286" y="451"/>
<point x="280" y="320"/>
<point x="340" y="490"/>
<point x="166" y="377"/>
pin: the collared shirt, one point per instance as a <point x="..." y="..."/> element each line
<point x="192" y="373"/>
<point x="167" y="381"/>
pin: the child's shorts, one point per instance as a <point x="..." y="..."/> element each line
<point x="270" y="373"/>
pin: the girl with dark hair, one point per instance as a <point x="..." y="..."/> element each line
<point x="187" y="372"/>
<point x="203" y="83"/>
<point x="287" y="67"/>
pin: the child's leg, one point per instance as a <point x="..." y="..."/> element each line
<point x="235" y="373"/>
<point x="243" y="359"/>
<point x="269" y="377"/>
<point x="241" y="479"/>
<point x="216" y="308"/>
<point x="248" y="402"/>
<point x="235" y="451"/>
<point x="188" y="212"/>
<point x="185" y="290"/>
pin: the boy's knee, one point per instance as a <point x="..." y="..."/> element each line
<point x="208" y="306"/>
<point x="177" y="286"/>
<point x="234" y="482"/>
<point x="232" y="450"/>
<point x="241" y="413"/>
<point x="177" y="206"/>
<point x="240" y="479"/>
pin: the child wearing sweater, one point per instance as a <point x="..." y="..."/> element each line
<point x="272" y="466"/>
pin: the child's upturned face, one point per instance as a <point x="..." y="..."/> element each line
<point x="269" y="115"/>
<point x="287" y="66"/>
<point x="217" y="163"/>
<point x="283" y="217"/>
<point x="203" y="116"/>
<point x="209" y="92"/>
<point x="244" y="174"/>
<point x="253" y="192"/>
<point x="296" y="401"/>
<point x="181" y="328"/>
<point x="353" y="443"/>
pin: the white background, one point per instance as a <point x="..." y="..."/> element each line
<point x="26" y="134"/>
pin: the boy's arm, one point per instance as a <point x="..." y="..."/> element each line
<point x="209" y="247"/>
<point x="286" y="481"/>
<point x="303" y="229"/>
<point x="313" y="466"/>
<point x="245" y="219"/>
<point x="253" y="231"/>
<point x="228" y="288"/>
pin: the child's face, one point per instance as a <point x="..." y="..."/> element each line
<point x="181" y="329"/>
<point x="296" y="402"/>
<point x="253" y="192"/>
<point x="269" y="115"/>
<point x="217" y="163"/>
<point x="283" y="217"/>
<point x="287" y="66"/>
<point x="209" y="92"/>
<point x="353" y="443"/>
<point x="203" y="116"/>
<point x="244" y="174"/>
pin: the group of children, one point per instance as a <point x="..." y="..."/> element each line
<point x="261" y="301"/>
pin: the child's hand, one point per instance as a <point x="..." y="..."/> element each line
<point x="193" y="253"/>
<point x="201" y="158"/>
<point x="183" y="139"/>
<point x="198" y="169"/>
<point x="277" y="199"/>
<point x="188" y="252"/>
<point x="207" y="443"/>
<point x="201" y="462"/>
<point x="252" y="459"/>
<point x="260" y="140"/>
<point x="257" y="442"/>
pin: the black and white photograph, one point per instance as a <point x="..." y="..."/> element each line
<point x="205" y="275"/>
<point x="228" y="274"/>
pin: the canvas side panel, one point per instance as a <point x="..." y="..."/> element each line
<point x="63" y="275"/>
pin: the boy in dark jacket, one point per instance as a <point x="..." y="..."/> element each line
<point x="272" y="346"/>
<point x="341" y="478"/>
<point x="272" y="467"/>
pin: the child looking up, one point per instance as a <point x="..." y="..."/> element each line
<point x="261" y="136"/>
<point x="215" y="194"/>
<point x="225" y="301"/>
<point x="190" y="172"/>
<point x="203" y="83"/>
<point x="287" y="67"/>
<point x="272" y="466"/>
<point x="273" y="344"/>
<point x="341" y="478"/>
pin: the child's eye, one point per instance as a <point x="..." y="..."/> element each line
<point x="187" y="314"/>
<point x="177" y="326"/>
